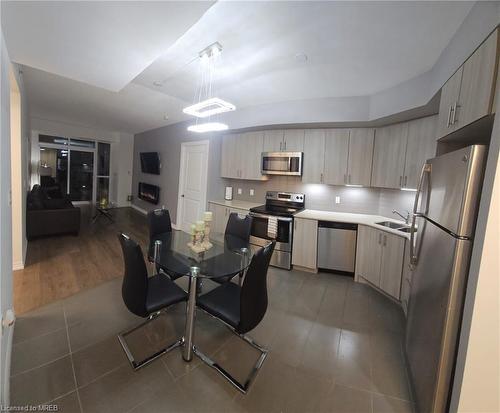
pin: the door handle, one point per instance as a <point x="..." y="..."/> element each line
<point x="182" y="196"/>
<point x="452" y="114"/>
<point x="426" y="169"/>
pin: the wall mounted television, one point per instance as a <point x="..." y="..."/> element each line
<point x="150" y="163"/>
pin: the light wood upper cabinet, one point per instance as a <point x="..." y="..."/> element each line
<point x="305" y="243"/>
<point x="250" y="147"/>
<point x="468" y="95"/>
<point x="379" y="259"/>
<point x="336" y="156"/>
<point x="368" y="254"/>
<point x="478" y="83"/>
<point x="450" y="93"/>
<point x="230" y="161"/>
<point x="389" y="156"/>
<point x="293" y="140"/>
<point x="241" y="156"/>
<point x="359" y="165"/>
<point x="421" y="146"/>
<point x="273" y="140"/>
<point x="314" y="156"/>
<point x="391" y="267"/>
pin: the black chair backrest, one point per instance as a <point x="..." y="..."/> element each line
<point x="135" y="279"/>
<point x="253" y="299"/>
<point x="158" y="222"/>
<point x="239" y="227"/>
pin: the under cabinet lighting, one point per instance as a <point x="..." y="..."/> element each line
<point x="207" y="127"/>
<point x="409" y="189"/>
<point x="209" y="107"/>
<point x="354" y="186"/>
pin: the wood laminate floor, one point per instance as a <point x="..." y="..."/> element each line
<point x="60" y="266"/>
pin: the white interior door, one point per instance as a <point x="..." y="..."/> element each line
<point x="192" y="183"/>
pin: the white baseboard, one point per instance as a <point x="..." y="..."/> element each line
<point x="17" y="265"/>
<point x="142" y="211"/>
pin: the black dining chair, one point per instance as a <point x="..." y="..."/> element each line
<point x="241" y="309"/>
<point x="145" y="296"/>
<point x="159" y="223"/>
<point x="238" y="229"/>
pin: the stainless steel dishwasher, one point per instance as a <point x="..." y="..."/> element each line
<point x="337" y="246"/>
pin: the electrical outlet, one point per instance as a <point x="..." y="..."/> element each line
<point x="240" y="191"/>
<point x="252" y="192"/>
<point x="337" y="200"/>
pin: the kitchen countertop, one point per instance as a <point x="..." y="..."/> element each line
<point x="362" y="219"/>
<point x="235" y="203"/>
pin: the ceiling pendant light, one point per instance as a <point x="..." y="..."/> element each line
<point x="208" y="105"/>
<point x="207" y="127"/>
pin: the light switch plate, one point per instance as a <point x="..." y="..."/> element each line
<point x="240" y="191"/>
<point x="337" y="200"/>
<point x="252" y="192"/>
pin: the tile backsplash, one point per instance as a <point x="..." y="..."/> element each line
<point x="320" y="196"/>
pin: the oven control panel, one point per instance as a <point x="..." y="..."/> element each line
<point x="285" y="197"/>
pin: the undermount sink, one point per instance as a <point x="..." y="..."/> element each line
<point x="395" y="225"/>
<point x="390" y="224"/>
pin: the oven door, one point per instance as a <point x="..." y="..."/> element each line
<point x="282" y="163"/>
<point x="283" y="234"/>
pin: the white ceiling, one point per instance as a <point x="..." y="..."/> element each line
<point x="353" y="49"/>
<point x="102" y="43"/>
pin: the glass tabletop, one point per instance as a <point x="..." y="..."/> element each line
<point x="228" y="256"/>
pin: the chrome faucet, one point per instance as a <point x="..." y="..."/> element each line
<point x="406" y="218"/>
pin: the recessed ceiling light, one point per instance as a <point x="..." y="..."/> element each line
<point x="301" y="57"/>
<point x="157" y="83"/>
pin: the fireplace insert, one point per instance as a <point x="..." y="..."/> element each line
<point x="149" y="193"/>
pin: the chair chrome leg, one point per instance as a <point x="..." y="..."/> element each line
<point x="241" y="387"/>
<point x="138" y="364"/>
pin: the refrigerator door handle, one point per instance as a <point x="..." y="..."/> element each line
<point x="426" y="169"/>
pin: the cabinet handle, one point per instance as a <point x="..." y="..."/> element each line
<point x="449" y="117"/>
<point x="380" y="238"/>
<point x="321" y="178"/>
<point x="284" y="145"/>
<point x="281" y="145"/>
<point x="345" y="178"/>
<point x="454" y="118"/>
<point x="406" y="180"/>
<point x="400" y="181"/>
<point x="349" y="178"/>
<point x="385" y="240"/>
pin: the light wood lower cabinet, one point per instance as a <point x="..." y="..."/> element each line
<point x="305" y="243"/>
<point x="379" y="259"/>
<point x="221" y="215"/>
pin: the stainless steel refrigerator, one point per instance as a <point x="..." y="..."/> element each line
<point x="445" y="213"/>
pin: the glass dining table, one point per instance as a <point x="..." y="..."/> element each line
<point x="228" y="256"/>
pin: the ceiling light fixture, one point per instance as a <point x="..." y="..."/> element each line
<point x="207" y="127"/>
<point x="206" y="103"/>
<point x="209" y="107"/>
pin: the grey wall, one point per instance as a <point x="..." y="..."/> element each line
<point x="167" y="141"/>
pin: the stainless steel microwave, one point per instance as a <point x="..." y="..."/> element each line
<point x="281" y="163"/>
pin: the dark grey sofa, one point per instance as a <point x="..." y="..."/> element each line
<point x="50" y="216"/>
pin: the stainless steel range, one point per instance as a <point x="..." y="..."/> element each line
<point x="274" y="220"/>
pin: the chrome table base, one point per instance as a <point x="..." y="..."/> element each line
<point x="138" y="364"/>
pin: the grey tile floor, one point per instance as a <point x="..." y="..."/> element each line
<point x="335" y="346"/>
